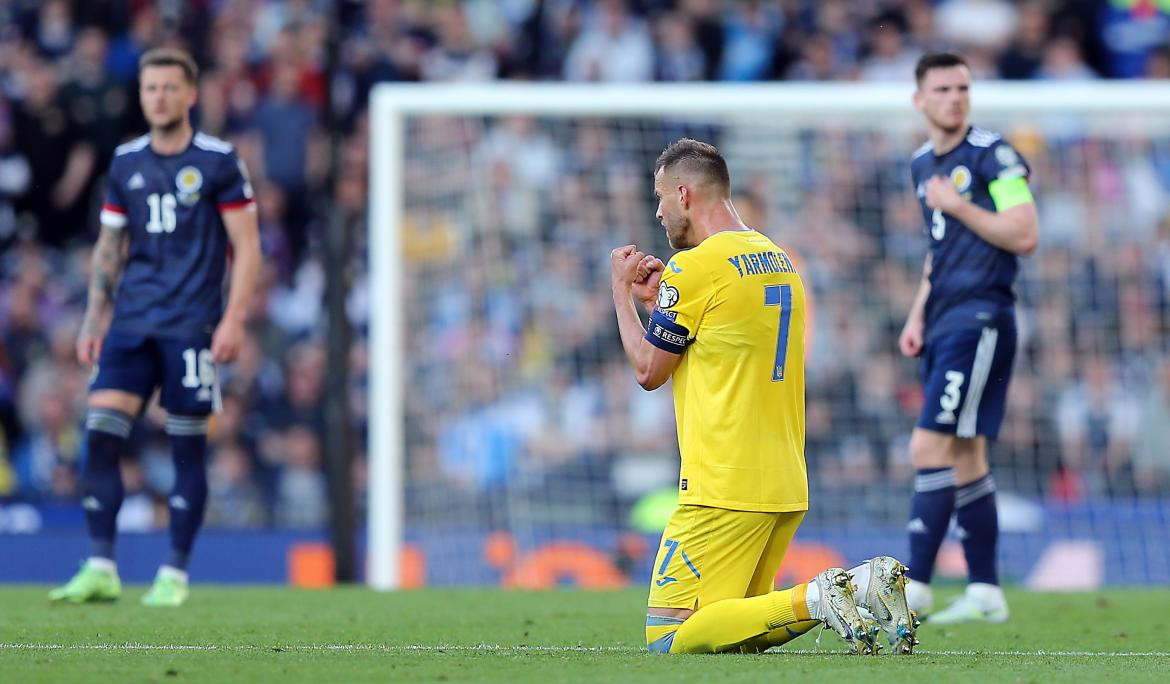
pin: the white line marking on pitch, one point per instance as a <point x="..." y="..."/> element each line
<point x="496" y="648"/>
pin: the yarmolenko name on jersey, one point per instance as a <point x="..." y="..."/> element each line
<point x="759" y="263"/>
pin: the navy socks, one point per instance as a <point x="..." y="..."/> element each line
<point x="978" y="525"/>
<point x="930" y="515"/>
<point x="188" y="435"/>
<point x="106" y="431"/>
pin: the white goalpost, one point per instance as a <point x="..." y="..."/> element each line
<point x="469" y="207"/>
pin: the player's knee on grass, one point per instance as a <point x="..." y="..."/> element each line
<point x="729" y="624"/>
<point x="660" y="632"/>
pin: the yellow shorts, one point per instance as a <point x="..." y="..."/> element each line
<point x="711" y="554"/>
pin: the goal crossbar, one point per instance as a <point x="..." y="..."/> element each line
<point x="788" y="104"/>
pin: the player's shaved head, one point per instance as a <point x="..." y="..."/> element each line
<point x="698" y="162"/>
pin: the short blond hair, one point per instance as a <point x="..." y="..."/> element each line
<point x="170" y="57"/>
<point x="699" y="158"/>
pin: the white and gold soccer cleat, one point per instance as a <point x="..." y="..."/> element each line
<point x="838" y="610"/>
<point x="885" y="599"/>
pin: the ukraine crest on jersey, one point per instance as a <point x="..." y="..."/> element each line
<point x="734" y="307"/>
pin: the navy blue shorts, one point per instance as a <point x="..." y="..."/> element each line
<point x="182" y="369"/>
<point x="965" y="377"/>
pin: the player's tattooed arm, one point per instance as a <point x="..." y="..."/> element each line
<point x="106" y="264"/>
<point x="109" y="258"/>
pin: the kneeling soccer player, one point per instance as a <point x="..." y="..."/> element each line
<point x="727" y="325"/>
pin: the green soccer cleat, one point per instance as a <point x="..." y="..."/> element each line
<point x="885" y="599"/>
<point x="838" y="610"/>
<point x="169" y="589"/>
<point x="95" y="581"/>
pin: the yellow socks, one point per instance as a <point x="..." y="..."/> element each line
<point x="786" y="633"/>
<point x="725" y="625"/>
<point x="778" y="637"/>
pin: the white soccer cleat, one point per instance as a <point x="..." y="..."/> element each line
<point x="838" y="610"/>
<point x="980" y="603"/>
<point x="885" y="599"/>
<point x="919" y="597"/>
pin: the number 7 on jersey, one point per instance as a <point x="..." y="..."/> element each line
<point x="781" y="296"/>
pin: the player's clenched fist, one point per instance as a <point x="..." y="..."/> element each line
<point x="941" y="194"/>
<point x="648" y="266"/>
<point x="623" y="264"/>
<point x="649" y="275"/>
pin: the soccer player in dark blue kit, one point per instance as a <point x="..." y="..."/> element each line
<point x="155" y="319"/>
<point x="973" y="188"/>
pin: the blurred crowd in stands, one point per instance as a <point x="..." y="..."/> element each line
<point x="518" y="391"/>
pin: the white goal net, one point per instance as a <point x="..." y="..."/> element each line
<point x="509" y="443"/>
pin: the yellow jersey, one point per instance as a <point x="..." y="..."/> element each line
<point x="734" y="307"/>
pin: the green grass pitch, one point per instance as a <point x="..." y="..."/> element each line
<point x="355" y="635"/>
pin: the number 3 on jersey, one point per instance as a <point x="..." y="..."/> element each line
<point x="162" y="213"/>
<point x="951" y="395"/>
<point x="781" y="296"/>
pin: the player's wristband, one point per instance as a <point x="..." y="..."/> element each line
<point x="113" y="216"/>
<point x="1009" y="192"/>
<point x="664" y="333"/>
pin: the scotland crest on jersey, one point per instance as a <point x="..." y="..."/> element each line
<point x="961" y="177"/>
<point x="970" y="277"/>
<point x="171" y="208"/>
<point x="188" y="182"/>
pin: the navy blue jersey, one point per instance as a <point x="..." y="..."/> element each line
<point x="172" y="285"/>
<point x="971" y="279"/>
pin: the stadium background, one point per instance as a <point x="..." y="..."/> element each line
<point x="524" y="426"/>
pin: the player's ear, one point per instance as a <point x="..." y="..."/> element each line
<point x="684" y="196"/>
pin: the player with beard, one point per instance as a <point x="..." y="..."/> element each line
<point x="155" y="318"/>
<point x="727" y="319"/>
